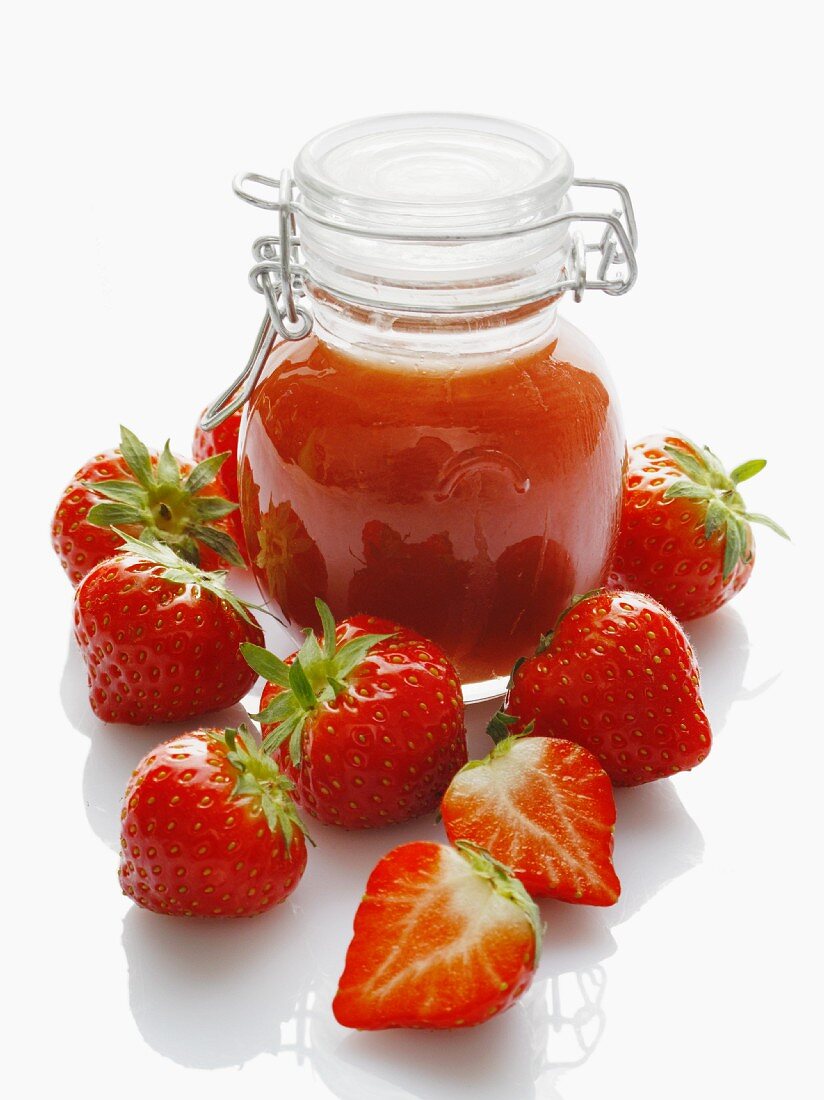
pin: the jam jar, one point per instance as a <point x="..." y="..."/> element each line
<point x="425" y="438"/>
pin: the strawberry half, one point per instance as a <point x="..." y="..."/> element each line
<point x="368" y="721"/>
<point x="544" y="807"/>
<point x="444" y="937"/>
<point x="142" y="491"/>
<point x="618" y="676"/>
<point x="686" y="535"/>
<point x="160" y="637"/>
<point x="209" y="829"/>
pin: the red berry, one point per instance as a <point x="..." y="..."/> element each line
<point x="618" y="676"/>
<point x="138" y="490"/>
<point x="368" y="722"/>
<point x="443" y="938"/>
<point x="544" y="807"/>
<point x="686" y="537"/>
<point x="224" y="440"/>
<point x="160" y="637"/>
<point x="209" y="829"/>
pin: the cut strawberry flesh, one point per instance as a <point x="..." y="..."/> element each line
<point x="545" y="808"/>
<point x="436" y="945"/>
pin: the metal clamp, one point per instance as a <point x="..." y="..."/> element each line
<point x="615" y="271"/>
<point x="279" y="276"/>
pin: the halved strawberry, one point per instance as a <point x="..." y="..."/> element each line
<point x="545" y="808"/>
<point x="444" y="937"/>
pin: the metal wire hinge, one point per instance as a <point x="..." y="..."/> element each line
<point x="607" y="263"/>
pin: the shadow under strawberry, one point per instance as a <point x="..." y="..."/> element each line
<point x="212" y="994"/>
<point x="115" y="751"/>
<point x="494" y="1059"/>
<point x="722" y="646"/>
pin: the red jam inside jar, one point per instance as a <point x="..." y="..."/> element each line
<point x="469" y="504"/>
<point x="442" y="449"/>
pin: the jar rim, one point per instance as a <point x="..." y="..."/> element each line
<point x="434" y="170"/>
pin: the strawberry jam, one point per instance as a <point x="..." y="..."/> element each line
<point x="468" y="501"/>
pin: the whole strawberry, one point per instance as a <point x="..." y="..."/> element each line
<point x="143" y="491"/>
<point x="444" y="937"/>
<point x="368" y="721"/>
<point x="160" y="637"/>
<point x="686" y="535"/>
<point x="616" y="675"/>
<point x="208" y="828"/>
<point x="223" y="440"/>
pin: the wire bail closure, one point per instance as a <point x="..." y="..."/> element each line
<point x="607" y="264"/>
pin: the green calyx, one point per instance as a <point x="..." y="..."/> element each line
<point x="317" y="675"/>
<point x="500" y="730"/>
<point x="178" y="571"/>
<point x="260" y="780"/>
<point x="707" y="480"/>
<point x="504" y="883"/>
<point x="163" y="503"/>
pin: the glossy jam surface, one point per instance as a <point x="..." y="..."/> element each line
<point x="469" y="502"/>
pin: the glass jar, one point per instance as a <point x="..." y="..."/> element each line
<point x="429" y="441"/>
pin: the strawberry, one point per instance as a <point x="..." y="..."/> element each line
<point x="616" y="675"/>
<point x="209" y="829"/>
<point x="544" y="807"/>
<point x="143" y="491"/>
<point x="160" y="637"/>
<point x="223" y="440"/>
<point x="444" y="937"/>
<point x="367" y="722"/>
<point x="686" y="537"/>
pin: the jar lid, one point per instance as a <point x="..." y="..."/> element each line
<point x="434" y="212"/>
<point x="427" y="214"/>
<point x="433" y="173"/>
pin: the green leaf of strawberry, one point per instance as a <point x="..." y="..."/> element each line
<point x="163" y="503"/>
<point x="179" y="571"/>
<point x="238" y="844"/>
<point x="685" y="537"/>
<point x="708" y="480"/>
<point x="367" y="720"/>
<point x="315" y="675"/>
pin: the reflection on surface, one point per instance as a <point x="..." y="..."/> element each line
<point x="115" y="752"/>
<point x="115" y="749"/>
<point x="218" y="993"/>
<point x="722" y="647"/>
<point x="289" y="563"/>
<point x="656" y="841"/>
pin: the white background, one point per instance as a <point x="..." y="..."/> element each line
<point x="125" y="298"/>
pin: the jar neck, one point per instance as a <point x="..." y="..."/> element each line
<point x="422" y="340"/>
